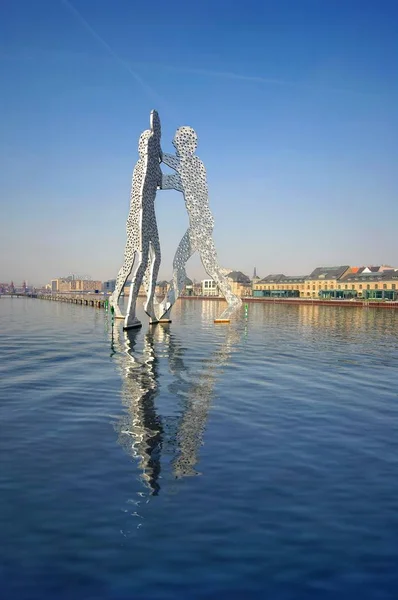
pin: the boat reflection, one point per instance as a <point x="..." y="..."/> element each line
<point x="146" y="434"/>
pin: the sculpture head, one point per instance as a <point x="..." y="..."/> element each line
<point x="143" y="142"/>
<point x="155" y="125"/>
<point x="185" y="141"/>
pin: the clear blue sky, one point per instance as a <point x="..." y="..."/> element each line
<point x="295" y="103"/>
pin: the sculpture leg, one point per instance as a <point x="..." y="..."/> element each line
<point x="120" y="282"/>
<point x="150" y="277"/>
<point x="208" y="257"/>
<point x="136" y="280"/>
<point x="185" y="250"/>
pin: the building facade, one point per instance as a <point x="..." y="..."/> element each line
<point x="324" y="279"/>
<point x="240" y="283"/>
<point x="279" y="286"/>
<point x="66" y="285"/>
<point x="367" y="285"/>
<point x="209" y="288"/>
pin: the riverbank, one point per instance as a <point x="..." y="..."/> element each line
<point x="308" y="301"/>
<point x="101" y="300"/>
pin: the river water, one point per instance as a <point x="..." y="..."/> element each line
<point x="189" y="461"/>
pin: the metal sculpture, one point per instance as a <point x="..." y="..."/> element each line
<point x="191" y="180"/>
<point x="143" y="249"/>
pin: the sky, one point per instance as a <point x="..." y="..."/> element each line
<point x="294" y="102"/>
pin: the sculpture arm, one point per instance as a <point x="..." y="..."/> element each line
<point x="171" y="182"/>
<point x="170" y="160"/>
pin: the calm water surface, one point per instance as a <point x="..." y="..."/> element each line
<point x="256" y="460"/>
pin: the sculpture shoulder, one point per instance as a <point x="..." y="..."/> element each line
<point x="171" y="160"/>
<point x="193" y="168"/>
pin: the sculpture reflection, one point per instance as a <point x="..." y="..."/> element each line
<point x="143" y="433"/>
<point x="140" y="429"/>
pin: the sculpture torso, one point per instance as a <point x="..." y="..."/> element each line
<point x="146" y="178"/>
<point x="194" y="184"/>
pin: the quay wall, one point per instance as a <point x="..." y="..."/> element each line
<point x="99" y="300"/>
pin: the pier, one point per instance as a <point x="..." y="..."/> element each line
<point x="94" y="300"/>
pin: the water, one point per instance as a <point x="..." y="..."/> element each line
<point x="256" y="460"/>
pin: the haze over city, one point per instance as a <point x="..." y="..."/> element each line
<point x="294" y="105"/>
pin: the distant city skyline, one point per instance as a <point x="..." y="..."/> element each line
<point x="252" y="276"/>
<point x="294" y="105"/>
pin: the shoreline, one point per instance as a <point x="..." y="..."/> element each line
<point x="307" y="301"/>
<point x="99" y="300"/>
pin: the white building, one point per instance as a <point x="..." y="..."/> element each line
<point x="209" y="288"/>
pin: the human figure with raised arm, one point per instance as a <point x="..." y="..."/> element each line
<point x="142" y="249"/>
<point x="190" y="179"/>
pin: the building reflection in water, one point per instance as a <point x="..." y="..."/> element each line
<point x="142" y="431"/>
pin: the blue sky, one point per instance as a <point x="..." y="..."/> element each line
<point x="294" y="101"/>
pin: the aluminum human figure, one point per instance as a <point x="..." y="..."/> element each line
<point x="190" y="179"/>
<point x="142" y="249"/>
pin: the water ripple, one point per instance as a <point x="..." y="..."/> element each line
<point x="193" y="461"/>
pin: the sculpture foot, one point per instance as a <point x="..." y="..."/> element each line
<point x="116" y="308"/>
<point x="156" y="321"/>
<point x="132" y="324"/>
<point x="232" y="307"/>
<point x="151" y="311"/>
<point x="163" y="312"/>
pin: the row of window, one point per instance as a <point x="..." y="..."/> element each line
<point x="325" y="287"/>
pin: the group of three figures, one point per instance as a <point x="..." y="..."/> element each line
<point x="142" y="253"/>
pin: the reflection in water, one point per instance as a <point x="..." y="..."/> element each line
<point x="142" y="432"/>
<point x="199" y="397"/>
<point x="140" y="429"/>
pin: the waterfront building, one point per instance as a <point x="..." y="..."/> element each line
<point x="324" y="279"/>
<point x="60" y="285"/>
<point x="85" y="285"/>
<point x="240" y="283"/>
<point x="108" y="287"/>
<point x="63" y="285"/>
<point x="280" y="286"/>
<point x="209" y="288"/>
<point x="188" y="288"/>
<point x="367" y="284"/>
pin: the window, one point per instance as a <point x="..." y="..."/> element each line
<point x="368" y="287"/>
<point x="360" y="286"/>
<point x="384" y="286"/>
<point x="393" y="286"/>
<point x="346" y="286"/>
<point x="376" y="286"/>
<point x="339" y="287"/>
